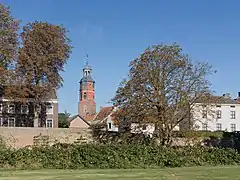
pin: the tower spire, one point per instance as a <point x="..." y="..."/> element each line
<point x="86" y="59"/>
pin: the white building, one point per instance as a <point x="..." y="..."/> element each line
<point x="224" y="115"/>
<point x="107" y="118"/>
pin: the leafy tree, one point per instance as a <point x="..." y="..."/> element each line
<point x="162" y="87"/>
<point x="8" y="42"/>
<point x="63" y="119"/>
<point x="44" y="52"/>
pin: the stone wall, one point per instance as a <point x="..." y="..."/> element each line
<point x="20" y="137"/>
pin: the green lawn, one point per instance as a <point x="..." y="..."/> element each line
<point x="211" y="173"/>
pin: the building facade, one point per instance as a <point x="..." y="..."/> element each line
<point x="19" y="114"/>
<point x="224" y="115"/>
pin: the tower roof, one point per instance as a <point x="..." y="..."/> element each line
<point x="87" y="73"/>
<point x="87" y="79"/>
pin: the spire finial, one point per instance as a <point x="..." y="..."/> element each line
<point x="87" y="59"/>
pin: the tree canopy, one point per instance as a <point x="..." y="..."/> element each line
<point x="38" y="55"/>
<point x="8" y="41"/>
<point x="63" y="120"/>
<point x="162" y="87"/>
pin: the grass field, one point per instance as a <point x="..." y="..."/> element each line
<point x="196" y="173"/>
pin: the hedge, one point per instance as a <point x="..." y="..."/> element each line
<point x="102" y="156"/>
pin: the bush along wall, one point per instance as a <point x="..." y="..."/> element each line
<point x="115" y="156"/>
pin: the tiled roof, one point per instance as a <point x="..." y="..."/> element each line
<point x="89" y="117"/>
<point x="103" y="113"/>
<point x="218" y="100"/>
<point x="50" y="95"/>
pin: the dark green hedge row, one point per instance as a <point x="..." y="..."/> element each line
<point x="201" y="134"/>
<point x="115" y="156"/>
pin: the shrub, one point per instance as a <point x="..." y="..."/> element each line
<point x="63" y="156"/>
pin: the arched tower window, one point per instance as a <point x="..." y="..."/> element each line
<point x="84" y="95"/>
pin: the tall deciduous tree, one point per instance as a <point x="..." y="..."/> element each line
<point x="44" y="52"/>
<point x="162" y="87"/>
<point x="8" y="41"/>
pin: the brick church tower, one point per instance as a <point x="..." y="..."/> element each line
<point x="87" y="104"/>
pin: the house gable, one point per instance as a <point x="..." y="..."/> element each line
<point x="78" y="122"/>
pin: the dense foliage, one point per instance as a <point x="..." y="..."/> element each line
<point x="162" y="87"/>
<point x="8" y="42"/>
<point x="63" y="120"/>
<point x="63" y="156"/>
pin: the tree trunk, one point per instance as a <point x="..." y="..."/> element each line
<point x="35" y="124"/>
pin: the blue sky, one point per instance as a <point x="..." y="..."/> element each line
<point x="115" y="32"/>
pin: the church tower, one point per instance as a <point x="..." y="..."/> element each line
<point x="87" y="104"/>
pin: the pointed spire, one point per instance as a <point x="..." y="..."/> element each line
<point x="86" y="59"/>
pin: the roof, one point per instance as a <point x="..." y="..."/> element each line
<point x="87" y="79"/>
<point x="218" y="100"/>
<point x="103" y="113"/>
<point x="74" y="117"/>
<point x="50" y="95"/>
<point x="89" y="117"/>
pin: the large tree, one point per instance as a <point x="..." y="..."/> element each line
<point x="162" y="87"/>
<point x="44" y="52"/>
<point x="8" y="42"/>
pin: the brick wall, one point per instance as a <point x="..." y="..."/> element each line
<point x="20" y="137"/>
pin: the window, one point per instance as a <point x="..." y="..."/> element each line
<point x="233" y="127"/>
<point x="204" y="114"/>
<point x="219" y="126"/>
<point x="49" y="109"/>
<point x="11" y="108"/>
<point x="219" y="114"/>
<point x="84" y="95"/>
<point x="1" y="121"/>
<point x="232" y="106"/>
<point x="49" y="123"/>
<point x="109" y="125"/>
<point x="204" y="126"/>
<point x="232" y="115"/>
<point x="1" y="108"/>
<point x="24" y="109"/>
<point x="4" y="122"/>
<point x="11" y="122"/>
<point x="144" y="127"/>
<point x="218" y="105"/>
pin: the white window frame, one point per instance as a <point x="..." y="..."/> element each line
<point x="1" y="107"/>
<point x="13" y="108"/>
<point x="47" y="123"/>
<point x="233" y="125"/>
<point x="1" y="121"/>
<point x="13" y="121"/>
<point x="219" y="114"/>
<point x="109" y="125"/>
<point x="218" y="125"/>
<point x="204" y="113"/>
<point x="27" y="110"/>
<point x="204" y="125"/>
<point x="232" y="114"/>
<point x="50" y="105"/>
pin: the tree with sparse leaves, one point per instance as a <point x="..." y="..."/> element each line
<point x="44" y="52"/>
<point x="162" y="88"/>
<point x="8" y="42"/>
